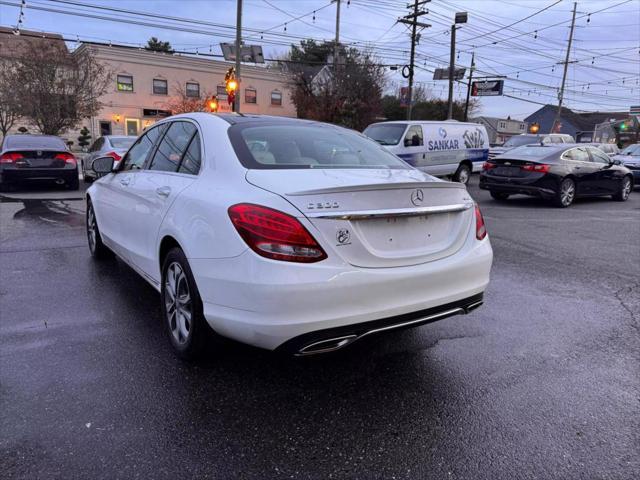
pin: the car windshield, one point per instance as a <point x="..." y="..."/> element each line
<point x="532" y="151"/>
<point x="632" y="150"/>
<point x="386" y="133"/>
<point x="122" y="142"/>
<point x="288" y="146"/>
<point x="34" y="142"/>
<point x="521" y="140"/>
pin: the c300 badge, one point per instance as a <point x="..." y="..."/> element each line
<point x="343" y="236"/>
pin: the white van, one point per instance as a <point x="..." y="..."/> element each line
<point x="443" y="149"/>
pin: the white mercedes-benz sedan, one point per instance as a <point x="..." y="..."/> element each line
<point x="286" y="234"/>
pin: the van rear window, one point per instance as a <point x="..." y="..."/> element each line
<point x="386" y="133"/>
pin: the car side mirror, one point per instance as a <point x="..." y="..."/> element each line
<point x="616" y="161"/>
<point x="103" y="165"/>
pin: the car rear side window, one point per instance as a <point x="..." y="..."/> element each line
<point x="172" y="147"/>
<point x="191" y="161"/>
<point x="137" y="155"/>
<point x="577" y="155"/>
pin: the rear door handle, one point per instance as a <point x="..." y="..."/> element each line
<point x="125" y="181"/>
<point x="163" y="191"/>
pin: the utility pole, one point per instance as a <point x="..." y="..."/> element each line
<point x="466" y="104"/>
<point x="412" y="19"/>
<point x="236" y="103"/>
<point x="335" y="47"/>
<point x="566" y="67"/>
<point x="452" y="69"/>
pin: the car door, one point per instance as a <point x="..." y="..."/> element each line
<point x="171" y="168"/>
<point x="606" y="179"/>
<point x="114" y="202"/>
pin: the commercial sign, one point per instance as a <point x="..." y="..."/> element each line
<point x="443" y="73"/>
<point x="487" y="88"/>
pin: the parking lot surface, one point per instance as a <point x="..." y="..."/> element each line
<point x="543" y="381"/>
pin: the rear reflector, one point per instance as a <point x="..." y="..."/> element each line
<point x="273" y="234"/>
<point x="10" y="157"/>
<point x="536" y="167"/>
<point x="481" y="229"/>
<point x="67" y="157"/>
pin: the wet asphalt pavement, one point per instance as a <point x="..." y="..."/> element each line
<point x="543" y="381"/>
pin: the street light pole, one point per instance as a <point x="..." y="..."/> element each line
<point x="236" y="103"/>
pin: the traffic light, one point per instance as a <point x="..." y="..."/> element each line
<point x="212" y="104"/>
<point x="623" y="126"/>
<point x="534" y="128"/>
<point x="231" y="85"/>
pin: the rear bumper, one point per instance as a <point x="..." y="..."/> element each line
<point x="538" y="188"/>
<point x="19" y="175"/>
<point x="267" y="303"/>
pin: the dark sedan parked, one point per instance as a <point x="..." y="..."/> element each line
<point x="27" y="159"/>
<point x="556" y="172"/>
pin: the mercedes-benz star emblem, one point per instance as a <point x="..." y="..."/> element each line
<point x="417" y="197"/>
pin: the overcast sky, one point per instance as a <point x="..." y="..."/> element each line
<point x="605" y="55"/>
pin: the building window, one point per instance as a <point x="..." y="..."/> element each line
<point x="523" y="126"/>
<point x="160" y="86"/>
<point x="502" y="125"/>
<point x="250" y="95"/>
<point x="221" y="92"/>
<point x="193" y="90"/>
<point x="125" y="83"/>
<point x="276" y="98"/>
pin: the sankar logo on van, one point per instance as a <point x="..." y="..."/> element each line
<point x="443" y="145"/>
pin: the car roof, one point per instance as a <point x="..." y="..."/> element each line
<point x="421" y="122"/>
<point x="555" y="149"/>
<point x="235" y="118"/>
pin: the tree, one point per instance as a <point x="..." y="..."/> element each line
<point x="429" y="109"/>
<point x="180" y="102"/>
<point x="56" y="90"/>
<point x="348" y="93"/>
<point x="9" y="113"/>
<point x="156" y="45"/>
<point x="85" y="136"/>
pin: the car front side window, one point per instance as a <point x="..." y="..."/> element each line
<point x="598" y="156"/>
<point x="414" y="138"/>
<point x="138" y="153"/>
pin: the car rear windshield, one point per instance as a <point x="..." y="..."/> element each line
<point x="122" y="142"/>
<point x="532" y="151"/>
<point x="386" y="133"/>
<point x="521" y="140"/>
<point x="296" y="146"/>
<point x="34" y="142"/>
<point x="631" y="150"/>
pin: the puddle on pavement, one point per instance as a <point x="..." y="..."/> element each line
<point x="63" y="212"/>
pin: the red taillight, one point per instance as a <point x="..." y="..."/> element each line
<point x="481" y="229"/>
<point x="67" y="157"/>
<point x="114" y="155"/>
<point x="488" y="166"/>
<point x="536" y="167"/>
<point x="10" y="157"/>
<point x="274" y="234"/>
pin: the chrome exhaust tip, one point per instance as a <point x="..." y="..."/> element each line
<point x="59" y="181"/>
<point x="325" y="346"/>
<point x="473" y="306"/>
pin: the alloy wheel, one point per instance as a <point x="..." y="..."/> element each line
<point x="91" y="229"/>
<point x="178" y="304"/>
<point x="463" y="175"/>
<point x="567" y="192"/>
<point x="626" y="188"/>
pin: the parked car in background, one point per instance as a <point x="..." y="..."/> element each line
<point x="630" y="158"/>
<point x="444" y="149"/>
<point x="29" y="159"/>
<point x="610" y="149"/>
<point x="529" y="139"/>
<point x="109" y="145"/>
<point x="556" y="172"/>
<point x="284" y="233"/>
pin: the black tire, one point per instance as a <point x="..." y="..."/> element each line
<point x="626" y="185"/>
<point x="463" y="174"/>
<point x="88" y="178"/>
<point x="174" y="311"/>
<point x="500" y="196"/>
<point x="566" y="193"/>
<point x="98" y="250"/>
<point x="73" y="184"/>
<point x="5" y="187"/>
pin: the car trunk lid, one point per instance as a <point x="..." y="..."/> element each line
<point x="377" y="218"/>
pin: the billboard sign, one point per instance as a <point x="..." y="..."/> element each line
<point x="443" y="73"/>
<point x="487" y="88"/>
